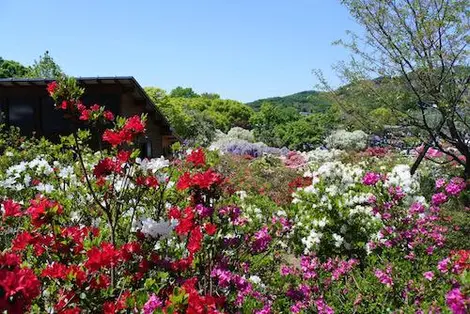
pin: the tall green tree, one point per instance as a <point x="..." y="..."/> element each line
<point x="422" y="48"/>
<point x="184" y="92"/>
<point x="268" y="118"/>
<point x="45" y="67"/>
<point x="302" y="134"/>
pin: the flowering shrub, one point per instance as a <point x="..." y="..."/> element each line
<point x="319" y="156"/>
<point x="294" y="160"/>
<point x="264" y="176"/>
<point x="335" y="212"/>
<point x="242" y="134"/>
<point x="342" y="139"/>
<point x="242" y="147"/>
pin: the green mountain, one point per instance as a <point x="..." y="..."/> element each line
<point x="307" y="101"/>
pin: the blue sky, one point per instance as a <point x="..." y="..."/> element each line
<point x="241" y="49"/>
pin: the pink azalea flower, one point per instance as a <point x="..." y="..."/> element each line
<point x="429" y="275"/>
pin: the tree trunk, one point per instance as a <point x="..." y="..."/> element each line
<point x="420" y="158"/>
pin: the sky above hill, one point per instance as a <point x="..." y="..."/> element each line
<point x="240" y="49"/>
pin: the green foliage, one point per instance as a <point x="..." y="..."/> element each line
<point x="9" y="137"/>
<point x="12" y="69"/>
<point x="196" y="117"/>
<point x="302" y="134"/>
<point x="45" y="67"/>
<point x="284" y="127"/>
<point x="268" y="118"/>
<point x="183" y="92"/>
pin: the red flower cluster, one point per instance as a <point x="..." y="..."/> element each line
<point x="197" y="157"/>
<point x="104" y="257"/>
<point x="18" y="286"/>
<point x="95" y="111"/>
<point x="115" y="306"/>
<point x="108" y="115"/>
<point x="376" y="151"/>
<point x="74" y="236"/>
<point x="189" y="227"/>
<point x="77" y="107"/>
<point x="107" y="255"/>
<point x="461" y="260"/>
<point x="195" y="240"/>
<point x="133" y="127"/>
<point x="42" y="210"/>
<point x="148" y="181"/>
<point x="11" y="209"/>
<point x="185" y="218"/>
<point x="106" y="167"/>
<point x="63" y="272"/>
<point x="202" y="180"/>
<point x="299" y="182"/>
<point x="69" y="239"/>
<point x="210" y="228"/>
<point x="52" y="88"/>
<point x="199" y="304"/>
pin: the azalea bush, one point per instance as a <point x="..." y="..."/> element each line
<point x="351" y="141"/>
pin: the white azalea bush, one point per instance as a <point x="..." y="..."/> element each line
<point x="319" y="156"/>
<point x="241" y="133"/>
<point x="342" y="139"/>
<point x="336" y="212"/>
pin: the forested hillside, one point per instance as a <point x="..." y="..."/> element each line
<point x="306" y="102"/>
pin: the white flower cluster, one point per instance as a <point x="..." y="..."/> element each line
<point x="18" y="176"/>
<point x="153" y="228"/>
<point x="152" y="165"/>
<point x="236" y="133"/>
<point x="342" y="139"/>
<point x="242" y="134"/>
<point x="318" y="155"/>
<point x="334" y="210"/>
<point x="401" y="176"/>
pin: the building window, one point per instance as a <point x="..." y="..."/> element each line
<point x="21" y="113"/>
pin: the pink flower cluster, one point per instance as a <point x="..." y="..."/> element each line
<point x="261" y="241"/>
<point x="371" y="178"/>
<point x="244" y="288"/>
<point x="455" y="186"/>
<point x="317" y="278"/>
<point x="385" y="277"/>
<point x="294" y="160"/>
<point x="457" y="302"/>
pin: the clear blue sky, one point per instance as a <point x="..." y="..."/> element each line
<point x="241" y="49"/>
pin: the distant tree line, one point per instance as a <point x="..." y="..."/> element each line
<point x="44" y="67"/>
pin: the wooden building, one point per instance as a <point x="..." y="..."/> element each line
<point x="26" y="104"/>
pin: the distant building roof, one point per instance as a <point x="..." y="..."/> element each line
<point x="127" y="82"/>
